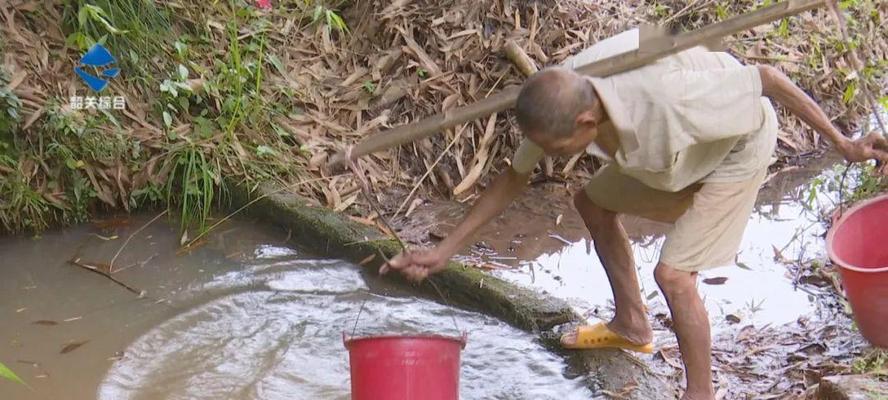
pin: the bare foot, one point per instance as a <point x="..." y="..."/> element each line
<point x="638" y="333"/>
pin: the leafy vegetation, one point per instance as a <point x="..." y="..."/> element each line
<point x="193" y="184"/>
<point x="874" y="362"/>
<point x="7" y="373"/>
<point x="851" y="184"/>
<point x="214" y="118"/>
<point x="9" y="115"/>
<point x="222" y="90"/>
<point x="332" y="19"/>
<point x="136" y="30"/>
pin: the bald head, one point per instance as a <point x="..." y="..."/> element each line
<point x="551" y="100"/>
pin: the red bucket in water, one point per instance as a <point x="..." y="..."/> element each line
<point x="410" y="367"/>
<point x="858" y="243"/>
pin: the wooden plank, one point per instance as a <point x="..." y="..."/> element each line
<point x="650" y="50"/>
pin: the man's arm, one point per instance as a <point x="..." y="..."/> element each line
<point x="419" y="264"/>
<point x="492" y="202"/>
<point x="781" y="89"/>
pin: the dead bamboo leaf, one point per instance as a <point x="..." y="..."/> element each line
<point x="33" y="118"/>
<point x="480" y="158"/>
<point x="715" y="281"/>
<point x="73" y="346"/>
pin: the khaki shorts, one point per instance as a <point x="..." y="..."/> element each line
<point x="709" y="218"/>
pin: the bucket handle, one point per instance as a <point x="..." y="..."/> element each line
<point x="357" y="318"/>
<point x="434" y="286"/>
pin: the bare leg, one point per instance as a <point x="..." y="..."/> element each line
<point x="691" y="325"/>
<point x="615" y="253"/>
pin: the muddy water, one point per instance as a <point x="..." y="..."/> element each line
<point x="244" y="316"/>
<point x="541" y="243"/>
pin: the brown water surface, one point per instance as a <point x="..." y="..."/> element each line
<point x="245" y="316"/>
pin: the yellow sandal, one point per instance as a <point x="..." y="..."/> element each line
<point x="599" y="336"/>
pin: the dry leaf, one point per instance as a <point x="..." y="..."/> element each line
<point x="715" y="281"/>
<point x="72" y="346"/>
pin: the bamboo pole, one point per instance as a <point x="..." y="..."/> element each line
<point x="520" y="58"/>
<point x="651" y="49"/>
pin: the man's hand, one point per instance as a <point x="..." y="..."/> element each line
<point x="418" y="264"/>
<point x="870" y="147"/>
<point x="777" y="86"/>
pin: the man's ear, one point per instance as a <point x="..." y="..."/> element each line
<point x="591" y="117"/>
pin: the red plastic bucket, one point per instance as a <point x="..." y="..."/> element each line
<point x="858" y="243"/>
<point x="407" y="367"/>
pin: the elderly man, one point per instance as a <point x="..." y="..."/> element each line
<point x="687" y="140"/>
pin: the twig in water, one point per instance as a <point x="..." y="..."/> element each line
<point x="560" y="239"/>
<point x="111" y="264"/>
<point x="140" y="264"/>
<point x="97" y="270"/>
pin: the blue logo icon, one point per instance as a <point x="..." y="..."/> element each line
<point x="98" y="57"/>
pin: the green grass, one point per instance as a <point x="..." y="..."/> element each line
<point x="193" y="185"/>
<point x="230" y="108"/>
<point x="331" y="19"/>
<point x="849" y="184"/>
<point x="135" y="31"/>
<point x="70" y="158"/>
<point x="45" y="179"/>
<point x="22" y="207"/>
<point x="9" y="116"/>
<point x="874" y="362"/>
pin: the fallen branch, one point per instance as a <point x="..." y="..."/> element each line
<point x="98" y="270"/>
<point x="650" y="50"/>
